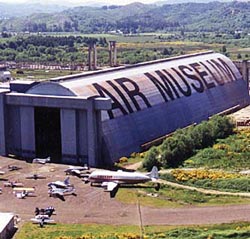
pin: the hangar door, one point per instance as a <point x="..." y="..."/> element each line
<point x="48" y="133"/>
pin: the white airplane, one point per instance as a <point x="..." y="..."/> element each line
<point x="22" y="193"/>
<point x="42" y="219"/>
<point x="41" y="160"/>
<point x="60" y="184"/>
<point x="61" y="192"/>
<point x="111" y="180"/>
<point x="76" y="170"/>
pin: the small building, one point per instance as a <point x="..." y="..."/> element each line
<point x="7" y="226"/>
<point x="5" y="75"/>
<point x="98" y="117"/>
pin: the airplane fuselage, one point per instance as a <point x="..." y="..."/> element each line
<point x="120" y="177"/>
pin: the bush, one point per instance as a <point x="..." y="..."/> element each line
<point x="184" y="143"/>
<point x="151" y="159"/>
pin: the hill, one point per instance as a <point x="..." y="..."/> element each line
<point x="138" y="17"/>
<point x="20" y="10"/>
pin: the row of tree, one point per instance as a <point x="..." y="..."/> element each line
<point x="66" y="49"/>
<point x="50" y="41"/>
<point x="185" y="142"/>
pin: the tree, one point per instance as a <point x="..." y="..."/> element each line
<point x="151" y="159"/>
<point x="223" y="49"/>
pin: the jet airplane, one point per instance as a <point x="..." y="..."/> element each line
<point x="60" y="184"/>
<point x="61" y="192"/>
<point x="111" y="180"/>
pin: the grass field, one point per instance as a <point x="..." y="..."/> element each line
<point x="89" y="231"/>
<point x="169" y="196"/>
<point x="40" y="75"/>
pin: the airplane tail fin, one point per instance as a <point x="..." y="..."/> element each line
<point x="66" y="181"/>
<point x="154" y="173"/>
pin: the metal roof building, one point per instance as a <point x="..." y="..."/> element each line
<point x="98" y="117"/>
<point x="6" y="225"/>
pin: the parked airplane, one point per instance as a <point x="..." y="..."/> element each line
<point x="24" y="189"/>
<point x="42" y="219"/>
<point x="49" y="211"/>
<point x="13" y="167"/>
<point x="111" y="180"/>
<point x="76" y="170"/>
<point x="60" y="184"/>
<point x="36" y="176"/>
<point x="23" y="192"/>
<point x="61" y="192"/>
<point x="13" y="184"/>
<point x="41" y="160"/>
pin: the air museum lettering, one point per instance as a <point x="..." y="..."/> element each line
<point x="129" y="96"/>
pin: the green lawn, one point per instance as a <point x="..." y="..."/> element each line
<point x="92" y="231"/>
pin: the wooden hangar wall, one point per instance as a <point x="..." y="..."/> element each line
<point x="149" y="100"/>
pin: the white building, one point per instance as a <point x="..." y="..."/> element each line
<point x="7" y="226"/>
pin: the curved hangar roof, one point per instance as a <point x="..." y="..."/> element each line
<point x="152" y="99"/>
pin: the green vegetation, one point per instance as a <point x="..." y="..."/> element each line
<point x="210" y="179"/>
<point x="39" y="74"/>
<point x="169" y="196"/>
<point x="47" y="48"/>
<point x="64" y="49"/>
<point x="212" y="155"/>
<point x="136" y="18"/>
<point x="90" y="231"/>
<point x="184" y="142"/>
<point x="231" y="153"/>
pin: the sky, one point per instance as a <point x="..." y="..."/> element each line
<point x="81" y="2"/>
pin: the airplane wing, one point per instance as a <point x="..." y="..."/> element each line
<point x="76" y="172"/>
<point x="111" y="186"/>
<point x="60" y="195"/>
<point x="23" y="189"/>
<point x="35" y="220"/>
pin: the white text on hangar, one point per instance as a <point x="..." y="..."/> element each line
<point x="96" y="118"/>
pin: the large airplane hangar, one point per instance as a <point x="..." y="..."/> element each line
<point x="98" y="117"/>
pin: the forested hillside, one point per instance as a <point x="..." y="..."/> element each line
<point x="137" y="17"/>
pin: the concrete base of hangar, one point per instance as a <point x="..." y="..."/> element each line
<point x="7" y="225"/>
